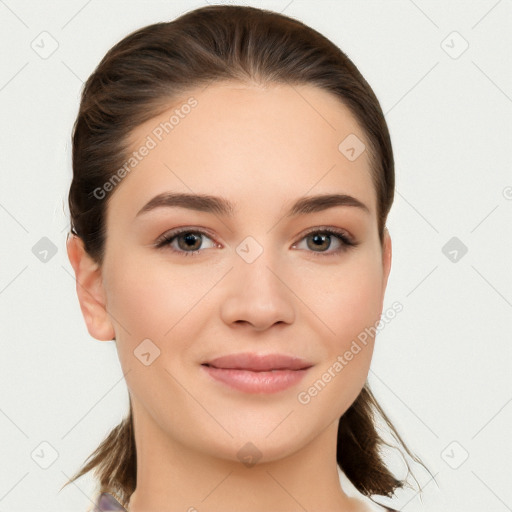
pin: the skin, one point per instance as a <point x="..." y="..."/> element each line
<point x="262" y="148"/>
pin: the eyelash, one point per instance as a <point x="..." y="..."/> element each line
<point x="346" y="242"/>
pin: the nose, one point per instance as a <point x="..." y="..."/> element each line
<point x="258" y="295"/>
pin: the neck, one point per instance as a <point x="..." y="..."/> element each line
<point x="171" y="477"/>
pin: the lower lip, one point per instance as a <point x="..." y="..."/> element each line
<point x="256" y="382"/>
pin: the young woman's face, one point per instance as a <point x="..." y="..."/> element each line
<point x="263" y="278"/>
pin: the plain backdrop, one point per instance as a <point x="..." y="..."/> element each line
<point x="442" y="71"/>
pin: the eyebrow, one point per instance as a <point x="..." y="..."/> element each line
<point x="221" y="206"/>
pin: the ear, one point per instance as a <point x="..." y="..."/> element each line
<point x="89" y="288"/>
<point x="386" y="259"/>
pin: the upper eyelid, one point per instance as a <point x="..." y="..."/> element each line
<point x="179" y="231"/>
<point x="339" y="231"/>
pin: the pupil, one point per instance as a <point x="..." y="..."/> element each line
<point x="319" y="239"/>
<point x="190" y="238"/>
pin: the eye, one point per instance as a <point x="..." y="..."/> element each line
<point x="186" y="239"/>
<point x="187" y="242"/>
<point x="322" y="239"/>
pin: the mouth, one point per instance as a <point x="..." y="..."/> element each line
<point x="253" y="373"/>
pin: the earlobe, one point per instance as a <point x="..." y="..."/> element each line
<point x="89" y="289"/>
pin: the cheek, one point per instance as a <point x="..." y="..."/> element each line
<point x="349" y="307"/>
<point x="149" y="297"/>
<point x="347" y="300"/>
<point x="160" y="301"/>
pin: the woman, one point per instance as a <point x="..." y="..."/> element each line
<point x="233" y="173"/>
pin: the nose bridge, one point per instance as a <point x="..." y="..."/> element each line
<point x="257" y="292"/>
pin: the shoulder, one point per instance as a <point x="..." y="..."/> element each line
<point x="370" y="506"/>
<point x="381" y="508"/>
<point x="106" y="502"/>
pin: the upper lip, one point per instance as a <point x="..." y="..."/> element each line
<point x="259" y="362"/>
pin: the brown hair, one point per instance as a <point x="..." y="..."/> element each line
<point x="134" y="82"/>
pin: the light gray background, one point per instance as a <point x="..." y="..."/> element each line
<point x="441" y="368"/>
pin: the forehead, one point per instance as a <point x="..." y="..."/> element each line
<point x="246" y="142"/>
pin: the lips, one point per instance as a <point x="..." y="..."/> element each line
<point x="257" y="373"/>
<point x="259" y="363"/>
